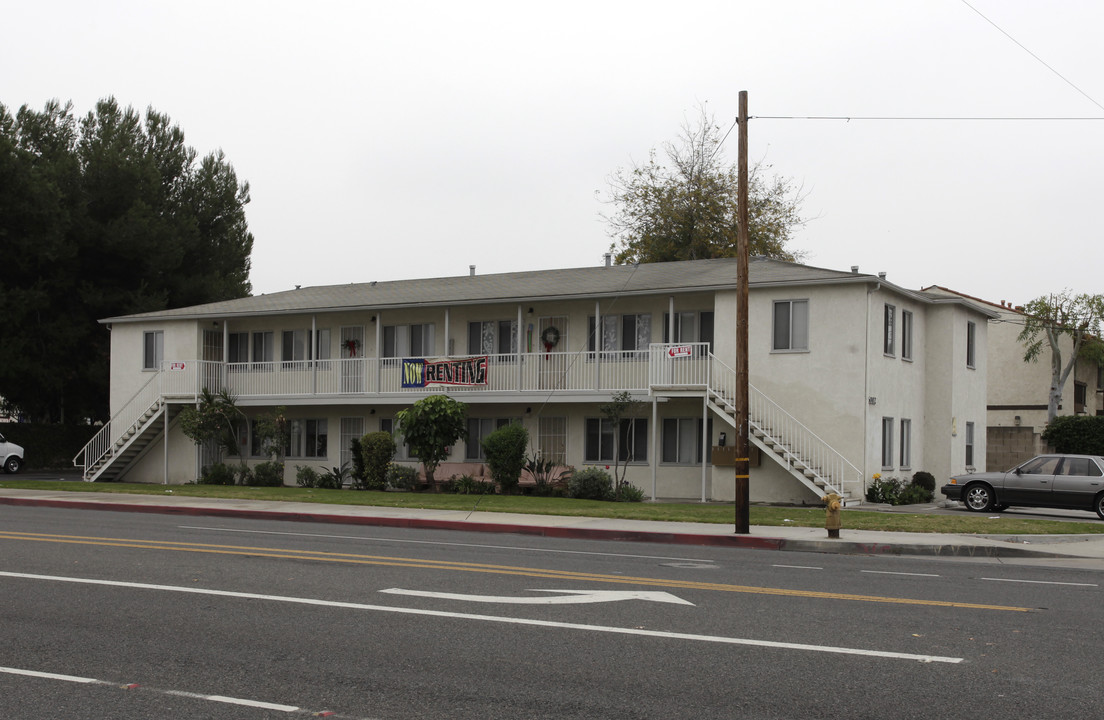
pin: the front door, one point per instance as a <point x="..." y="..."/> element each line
<point x="352" y="359"/>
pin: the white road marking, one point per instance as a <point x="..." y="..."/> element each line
<point x="447" y="544"/>
<point x="1041" y="582"/>
<point x="887" y="572"/>
<point x="504" y="620"/>
<point x="798" y="567"/>
<point x="178" y="693"/>
<point x="574" y="597"/>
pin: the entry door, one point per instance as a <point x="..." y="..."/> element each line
<point x="352" y="359"/>
<point x="553" y="359"/>
<point x="211" y="368"/>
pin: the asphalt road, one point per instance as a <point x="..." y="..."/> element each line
<point x="117" y="615"/>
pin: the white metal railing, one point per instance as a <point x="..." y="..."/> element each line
<point x="801" y="445"/>
<point x="679" y="365"/>
<point x="103" y="443"/>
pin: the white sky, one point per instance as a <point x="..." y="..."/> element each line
<point x="395" y="140"/>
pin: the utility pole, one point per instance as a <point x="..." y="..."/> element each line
<point x="743" y="464"/>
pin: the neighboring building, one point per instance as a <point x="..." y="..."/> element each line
<point x="1018" y="391"/>
<point x="851" y="374"/>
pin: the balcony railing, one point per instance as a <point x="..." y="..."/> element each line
<point x="600" y="372"/>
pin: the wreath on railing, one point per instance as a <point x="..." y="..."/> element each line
<point x="550" y="337"/>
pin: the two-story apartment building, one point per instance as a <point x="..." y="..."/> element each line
<point x="850" y="374"/>
<point x="1018" y="391"/>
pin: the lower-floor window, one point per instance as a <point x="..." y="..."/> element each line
<point x="352" y="428"/>
<point x="478" y="430"/>
<point x="682" y="440"/>
<point x="629" y="443"/>
<point x="887" y="442"/>
<point x="969" y="444"/>
<point x="552" y="439"/>
<point x="308" y="438"/>
<point x="906" y="443"/>
<point x="402" y="450"/>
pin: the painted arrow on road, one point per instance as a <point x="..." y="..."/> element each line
<point x="573" y="597"/>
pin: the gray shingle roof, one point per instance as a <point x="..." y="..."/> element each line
<point x="535" y="285"/>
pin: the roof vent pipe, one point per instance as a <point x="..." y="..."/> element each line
<point x="854" y="268"/>
<point x="471" y="270"/>
<point x="881" y="276"/>
<point x="609" y="259"/>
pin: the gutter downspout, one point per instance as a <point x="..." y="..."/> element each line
<point x="866" y="387"/>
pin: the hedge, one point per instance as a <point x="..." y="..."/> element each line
<point x="48" y="447"/>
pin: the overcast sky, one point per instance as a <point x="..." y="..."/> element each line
<point x="397" y="140"/>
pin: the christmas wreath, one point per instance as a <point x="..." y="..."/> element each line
<point x="550" y="337"/>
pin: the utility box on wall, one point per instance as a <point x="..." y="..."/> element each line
<point x="725" y="456"/>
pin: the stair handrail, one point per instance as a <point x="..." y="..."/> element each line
<point x="812" y="450"/>
<point x="103" y="442"/>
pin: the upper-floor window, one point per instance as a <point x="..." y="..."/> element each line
<point x="264" y="346"/>
<point x="153" y="349"/>
<point x="238" y="349"/>
<point x="1080" y="394"/>
<point x="906" y="334"/>
<point x="297" y="345"/>
<point x="490" y="337"/>
<point x="790" y="325"/>
<point x="689" y="327"/>
<point x="971" y="344"/>
<point x="408" y="340"/>
<point x="624" y="332"/>
<point x="889" y="319"/>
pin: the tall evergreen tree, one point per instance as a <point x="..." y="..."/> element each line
<point x="107" y="215"/>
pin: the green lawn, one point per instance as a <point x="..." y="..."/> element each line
<point x="959" y="523"/>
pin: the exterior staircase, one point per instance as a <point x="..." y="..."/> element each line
<point x="785" y="440"/>
<point x="127" y="436"/>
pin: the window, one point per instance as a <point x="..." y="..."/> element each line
<point x="295" y="345"/>
<point x="402" y="450"/>
<point x="685" y="325"/>
<point x="352" y="428"/>
<point x="552" y="439"/>
<point x="906" y="443"/>
<point x="791" y="325"/>
<point x="969" y="444"/>
<point x="1083" y="467"/>
<point x="630" y="442"/>
<point x="238" y="350"/>
<point x="887" y="442"/>
<point x="478" y="430"/>
<point x="906" y="334"/>
<point x="1080" y="393"/>
<point x="308" y="439"/>
<point x="492" y="337"/>
<point x="322" y="344"/>
<point x="889" y="342"/>
<point x="627" y="332"/>
<point x="682" y="440"/>
<point x="264" y="346"/>
<point x="410" y="341"/>
<point x="153" y="350"/>
<point x="971" y="338"/>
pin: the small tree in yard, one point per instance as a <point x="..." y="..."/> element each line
<point x="621" y="413"/>
<point x="430" y="427"/>
<point x="1050" y="318"/>
<point x="217" y="419"/>
<point x="505" y="451"/>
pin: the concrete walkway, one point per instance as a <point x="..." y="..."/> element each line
<point x="865" y="542"/>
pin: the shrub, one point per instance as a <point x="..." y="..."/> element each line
<point x="590" y="483"/>
<point x="217" y="474"/>
<point x="358" y="472"/>
<point x="49" y="446"/>
<point x="505" y="451"/>
<point x="543" y="471"/>
<point x="883" y="490"/>
<point x="401" y="477"/>
<point x="334" y="478"/>
<point x="245" y="475"/>
<point x="630" y="493"/>
<point x="376" y="452"/>
<point x="912" y="494"/>
<point x="268" y="474"/>
<point x="1076" y="434"/>
<point x="925" y="480"/>
<point x="306" y="476"/>
<point x="467" y="485"/>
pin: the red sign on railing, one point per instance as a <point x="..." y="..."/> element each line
<point x="680" y="351"/>
<point x="177" y="366"/>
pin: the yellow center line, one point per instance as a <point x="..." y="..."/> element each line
<point x="380" y="560"/>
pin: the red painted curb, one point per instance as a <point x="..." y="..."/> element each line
<point x="737" y="541"/>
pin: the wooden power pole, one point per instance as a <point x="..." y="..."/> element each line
<point x="743" y="464"/>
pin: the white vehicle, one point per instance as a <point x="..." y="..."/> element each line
<point x="11" y="456"/>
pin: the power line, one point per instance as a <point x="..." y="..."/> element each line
<point x="1048" y="67"/>
<point x="849" y="118"/>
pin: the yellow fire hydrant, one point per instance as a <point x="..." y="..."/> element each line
<point x="832" y="521"/>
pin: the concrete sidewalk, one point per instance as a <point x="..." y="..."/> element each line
<point x="862" y="542"/>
